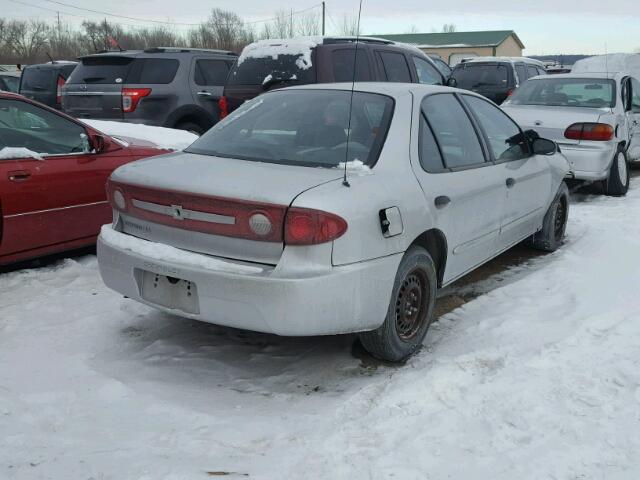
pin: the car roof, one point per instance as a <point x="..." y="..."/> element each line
<point x="170" y="51"/>
<point x="11" y="96"/>
<point x="530" y="61"/>
<point x="393" y="89"/>
<point x="10" y="74"/>
<point x="53" y="66"/>
<point x="604" y="75"/>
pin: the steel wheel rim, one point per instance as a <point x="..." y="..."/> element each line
<point x="622" y="168"/>
<point x="559" y="220"/>
<point x="411" y="305"/>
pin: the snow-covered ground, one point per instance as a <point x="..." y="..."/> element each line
<point x="539" y="378"/>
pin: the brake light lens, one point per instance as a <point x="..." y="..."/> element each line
<point x="131" y="97"/>
<point x="223" y="107"/>
<point x="598" y="132"/>
<point x="510" y="92"/>
<point x="59" y="84"/>
<point x="304" y="226"/>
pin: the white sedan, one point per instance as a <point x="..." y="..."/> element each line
<point x="594" y="117"/>
<point x="315" y="211"/>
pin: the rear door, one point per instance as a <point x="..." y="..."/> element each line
<point x="56" y="198"/>
<point x="393" y="66"/>
<point x="426" y="73"/>
<point x="464" y="190"/>
<point x="521" y="72"/>
<point x="207" y="82"/>
<point x="527" y="177"/>
<point x="94" y="89"/>
<point x="38" y="83"/>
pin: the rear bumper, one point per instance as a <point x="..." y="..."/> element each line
<point x="589" y="161"/>
<point x="341" y="299"/>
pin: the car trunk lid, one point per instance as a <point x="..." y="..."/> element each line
<point x="204" y="204"/>
<point x="551" y="121"/>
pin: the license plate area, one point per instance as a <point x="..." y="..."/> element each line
<point x="170" y="292"/>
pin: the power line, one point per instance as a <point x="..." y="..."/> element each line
<point x="99" y="12"/>
<point x="44" y="8"/>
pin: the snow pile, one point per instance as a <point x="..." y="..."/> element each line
<point x="19" y="152"/>
<point x="612" y="62"/>
<point x="300" y="46"/>
<point x="539" y="378"/>
<point x="355" y="166"/>
<point x="167" y="253"/>
<point x="167" y="138"/>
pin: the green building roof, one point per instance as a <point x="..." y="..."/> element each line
<point x="455" y="39"/>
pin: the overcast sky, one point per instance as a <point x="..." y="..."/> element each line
<point x="545" y="26"/>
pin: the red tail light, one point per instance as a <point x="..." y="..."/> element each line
<point x="131" y="97"/>
<point x="223" y="107"/>
<point x="509" y="92"/>
<point x="59" y="84"/>
<point x="304" y="226"/>
<point x="599" y="132"/>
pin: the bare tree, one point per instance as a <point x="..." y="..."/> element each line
<point x="309" y="24"/>
<point x="412" y="29"/>
<point x="349" y="26"/>
<point x="449" y="28"/>
<point x="282" y="25"/>
<point x="27" y="39"/>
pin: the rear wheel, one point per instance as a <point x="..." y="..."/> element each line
<point x="191" y="127"/>
<point x="410" y="311"/>
<point x="617" y="184"/>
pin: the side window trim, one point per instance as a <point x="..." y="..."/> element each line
<point x="480" y="133"/>
<point x="427" y="123"/>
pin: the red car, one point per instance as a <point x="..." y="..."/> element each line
<point x="54" y="200"/>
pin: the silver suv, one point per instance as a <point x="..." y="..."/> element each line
<point x="169" y="87"/>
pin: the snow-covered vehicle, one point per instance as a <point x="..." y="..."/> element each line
<point x="299" y="215"/>
<point x="594" y="117"/>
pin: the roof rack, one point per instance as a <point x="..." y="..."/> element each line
<point x="187" y="50"/>
<point x="380" y="41"/>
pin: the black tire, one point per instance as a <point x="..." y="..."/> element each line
<point x="410" y="310"/>
<point x="617" y="184"/>
<point x="191" y="127"/>
<point x="555" y="223"/>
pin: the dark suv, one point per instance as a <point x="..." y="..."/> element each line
<point x="169" y="87"/>
<point x="43" y="83"/>
<point x="269" y="64"/>
<point x="495" y="77"/>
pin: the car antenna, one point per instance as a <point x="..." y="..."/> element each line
<point x="50" y="59"/>
<point x="345" y="182"/>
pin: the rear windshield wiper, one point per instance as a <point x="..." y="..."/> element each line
<point x="275" y="80"/>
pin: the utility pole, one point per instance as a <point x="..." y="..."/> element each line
<point x="323" y="18"/>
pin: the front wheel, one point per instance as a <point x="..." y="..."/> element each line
<point x="617" y="184"/>
<point x="554" y="225"/>
<point x="410" y="311"/>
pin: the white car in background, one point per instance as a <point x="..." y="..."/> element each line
<point x="594" y="117"/>
<point x="258" y="225"/>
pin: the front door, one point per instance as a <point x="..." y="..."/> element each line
<point x="527" y="177"/>
<point x="464" y="191"/>
<point x="634" y="121"/>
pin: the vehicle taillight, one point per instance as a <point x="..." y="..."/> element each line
<point x="116" y="197"/>
<point x="304" y="226"/>
<point x="509" y="92"/>
<point x="59" y="84"/>
<point x="223" y="107"/>
<point x="599" y="132"/>
<point x="131" y="97"/>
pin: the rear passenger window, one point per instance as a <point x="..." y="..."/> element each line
<point x="453" y="130"/>
<point x="395" y="67"/>
<point x="505" y="138"/>
<point x="522" y="73"/>
<point x="158" y="70"/>
<point x="533" y="71"/>
<point x="343" y="61"/>
<point x="541" y="71"/>
<point x="428" y="151"/>
<point x="427" y="73"/>
<point x="211" y="72"/>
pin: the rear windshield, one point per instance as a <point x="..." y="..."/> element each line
<point x="477" y="75"/>
<point x="567" y="92"/>
<point x="284" y="69"/>
<point x="11" y="84"/>
<point x="119" y="69"/>
<point x="302" y="127"/>
<point x="38" y="79"/>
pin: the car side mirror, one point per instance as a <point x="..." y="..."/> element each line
<point x="452" y="82"/>
<point x="542" y="146"/>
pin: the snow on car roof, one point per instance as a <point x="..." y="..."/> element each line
<point x="612" y="62"/>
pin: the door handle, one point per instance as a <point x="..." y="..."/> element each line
<point x="204" y="94"/>
<point x="442" y="201"/>
<point x="510" y="182"/>
<point x="19" y="175"/>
